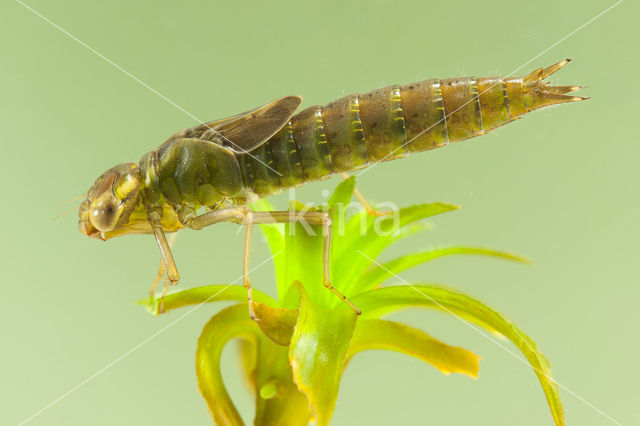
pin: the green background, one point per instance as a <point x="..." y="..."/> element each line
<point x="559" y="186"/>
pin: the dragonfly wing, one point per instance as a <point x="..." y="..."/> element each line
<point x="247" y="131"/>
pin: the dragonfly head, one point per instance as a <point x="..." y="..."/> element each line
<point x="110" y="201"/>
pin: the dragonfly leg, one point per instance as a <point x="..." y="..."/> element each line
<point x="165" y="252"/>
<point x="371" y="211"/>
<point x="231" y="214"/>
<point x="239" y="215"/>
<point x="312" y="218"/>
<point x="245" y="261"/>
<point x="161" y="267"/>
<point x="243" y="215"/>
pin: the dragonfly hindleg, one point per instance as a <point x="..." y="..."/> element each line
<point x="371" y="211"/>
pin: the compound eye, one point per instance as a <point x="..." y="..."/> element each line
<point x="104" y="214"/>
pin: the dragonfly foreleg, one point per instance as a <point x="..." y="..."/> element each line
<point x="165" y="252"/>
<point x="240" y="215"/>
<point x="161" y="267"/>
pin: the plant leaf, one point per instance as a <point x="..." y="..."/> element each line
<point x="303" y="254"/>
<point x="276" y="323"/>
<point x="378" y="233"/>
<point x="343" y="193"/>
<point x="317" y="353"/>
<point x="248" y="350"/>
<point x="411" y="229"/>
<point x="274" y="233"/>
<point x="225" y="325"/>
<point x="278" y="400"/>
<point x="381" y="273"/>
<point x="381" y="334"/>
<point x="387" y="299"/>
<point x="204" y="294"/>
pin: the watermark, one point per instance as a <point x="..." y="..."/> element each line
<point x="353" y="217"/>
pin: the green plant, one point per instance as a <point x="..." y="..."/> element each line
<point x="296" y="351"/>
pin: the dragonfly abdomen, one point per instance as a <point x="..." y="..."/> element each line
<point x="357" y="130"/>
<point x="392" y="122"/>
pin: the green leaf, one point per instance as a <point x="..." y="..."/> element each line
<point x="276" y="323"/>
<point x="378" y="233"/>
<point x="303" y="254"/>
<point x="384" y="300"/>
<point x="358" y="224"/>
<point x="343" y="193"/>
<point x="278" y="400"/>
<point x="274" y="233"/>
<point x="410" y="230"/>
<point x="418" y="212"/>
<point x="248" y="350"/>
<point x="381" y="334"/>
<point x="204" y="294"/>
<point x="317" y="353"/>
<point x="225" y="325"/>
<point x="381" y="273"/>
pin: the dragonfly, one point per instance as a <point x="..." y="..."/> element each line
<point x="212" y="172"/>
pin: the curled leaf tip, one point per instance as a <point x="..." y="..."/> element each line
<point x="276" y="323"/>
<point x="150" y="304"/>
<point x="381" y="334"/>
